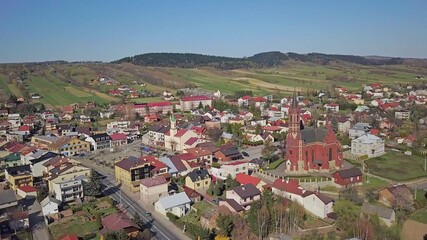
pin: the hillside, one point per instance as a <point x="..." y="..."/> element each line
<point x="260" y="60"/>
<point x="61" y="83"/>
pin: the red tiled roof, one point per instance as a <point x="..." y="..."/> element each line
<point x="235" y="163"/>
<point x="159" y="104"/>
<point x="291" y="186"/>
<point x="246" y="97"/>
<point x="198" y="130"/>
<point x="191" y="140"/>
<point x="375" y="131"/>
<point x="117" y="221"/>
<point x="130" y="162"/>
<point x="181" y="132"/>
<point x="191" y="193"/>
<point x="186" y="156"/>
<point x="24" y="128"/>
<point x="243" y="178"/>
<point x="27" y="189"/>
<point x="118" y="136"/>
<point x="194" y="98"/>
<point x="154" y="181"/>
<point x="154" y="162"/>
<point x="271" y="128"/>
<point x="259" y="99"/>
<point x="70" y="237"/>
<point x="332" y="105"/>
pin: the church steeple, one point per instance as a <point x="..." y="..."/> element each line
<point x="173" y="129"/>
<point x="294" y="116"/>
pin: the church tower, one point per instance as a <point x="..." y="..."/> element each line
<point x="173" y="129"/>
<point x="294" y="118"/>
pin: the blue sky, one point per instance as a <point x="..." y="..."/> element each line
<point x="108" y="30"/>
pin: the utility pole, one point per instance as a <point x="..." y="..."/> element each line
<point x="425" y="163"/>
<point x="415" y="194"/>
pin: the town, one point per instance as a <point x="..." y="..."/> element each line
<point x="326" y="164"/>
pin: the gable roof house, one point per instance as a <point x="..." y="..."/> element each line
<point x="289" y="189"/>
<point x="117" y="222"/>
<point x="388" y="195"/>
<point x="318" y="204"/>
<point x="244" y="195"/>
<point x="348" y="177"/>
<point x="198" y="179"/>
<point x="177" y="204"/>
<point x="243" y="179"/>
<point x="386" y="215"/>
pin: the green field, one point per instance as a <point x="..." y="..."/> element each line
<point x="62" y="84"/>
<point x="397" y="166"/>
<point x="75" y="225"/>
<point x="420" y="216"/>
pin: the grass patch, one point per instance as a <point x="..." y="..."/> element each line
<point x="14" y="90"/>
<point x="313" y="222"/>
<point x="329" y="189"/>
<point x="397" y="166"/>
<point x="420" y="216"/>
<point x="353" y="162"/>
<point x="73" y="226"/>
<point x="147" y="100"/>
<point x="373" y="184"/>
<point x="4" y="86"/>
<point x="274" y="164"/>
<point x="76" y="92"/>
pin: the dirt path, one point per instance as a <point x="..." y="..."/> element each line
<point x="267" y="85"/>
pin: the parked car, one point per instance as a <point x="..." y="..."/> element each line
<point x="245" y="154"/>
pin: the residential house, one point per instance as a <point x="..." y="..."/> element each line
<point x="40" y="157"/>
<point x="130" y="171"/>
<point x="191" y="102"/>
<point x="18" y="176"/>
<point x="388" y="195"/>
<point x="118" y="222"/>
<point x="228" y="153"/>
<point x="332" y="107"/>
<point x="69" y="146"/>
<point x="26" y="191"/>
<point x="232" y="205"/>
<point x="19" y="220"/>
<point x="343" y="124"/>
<point x="8" y="202"/>
<point x="403" y="115"/>
<point x="118" y="139"/>
<point x="243" y="179"/>
<point x="386" y="215"/>
<point x="255" y="164"/>
<point x="358" y="130"/>
<point x="156" y="135"/>
<point x="99" y="141"/>
<point x="318" y="204"/>
<point x="192" y="194"/>
<point x="289" y="189"/>
<point x="208" y="218"/>
<point x="348" y="177"/>
<point x="177" y="204"/>
<point x="13" y="159"/>
<point x="198" y="180"/>
<point x="69" y="190"/>
<point x="50" y="206"/>
<point x="152" y="189"/>
<point x="244" y="195"/>
<point x="231" y="169"/>
<point x="201" y="154"/>
<point x="66" y="172"/>
<point x="367" y="144"/>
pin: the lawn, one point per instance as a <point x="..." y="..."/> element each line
<point x="397" y="166"/>
<point x="313" y="222"/>
<point x="274" y="164"/>
<point x="147" y="100"/>
<point x="373" y="184"/>
<point x="420" y="216"/>
<point x="4" y="86"/>
<point x="75" y="225"/>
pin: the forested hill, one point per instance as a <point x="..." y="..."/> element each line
<point x="266" y="59"/>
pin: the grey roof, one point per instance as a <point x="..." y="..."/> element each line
<point x="198" y="174"/>
<point x="246" y="191"/>
<point x="169" y="163"/>
<point x="19" y="170"/>
<point x="311" y="134"/>
<point x="98" y="137"/>
<point x="382" y="212"/>
<point x="361" y="126"/>
<point x="48" y="199"/>
<point x="174" y="200"/>
<point x="7" y="196"/>
<point x="348" y="173"/>
<point x="368" y="139"/>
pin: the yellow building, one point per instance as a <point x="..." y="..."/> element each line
<point x="18" y="176"/>
<point x="131" y="170"/>
<point x="198" y="179"/>
<point x="68" y="146"/>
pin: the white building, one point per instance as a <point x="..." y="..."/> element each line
<point x="68" y="190"/>
<point x="175" y="139"/>
<point x="191" y="102"/>
<point x="333" y="107"/>
<point x="177" y="204"/>
<point x="230" y="169"/>
<point x="50" y="206"/>
<point x="244" y="195"/>
<point x="367" y="144"/>
<point x="402" y="115"/>
<point x="318" y="204"/>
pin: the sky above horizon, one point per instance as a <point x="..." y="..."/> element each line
<point x="104" y="30"/>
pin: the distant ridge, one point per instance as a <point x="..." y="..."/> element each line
<point x="265" y="59"/>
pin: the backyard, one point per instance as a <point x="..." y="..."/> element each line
<point x="397" y="166"/>
<point x="83" y="222"/>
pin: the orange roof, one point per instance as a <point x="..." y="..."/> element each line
<point x="243" y="178"/>
<point x="70" y="237"/>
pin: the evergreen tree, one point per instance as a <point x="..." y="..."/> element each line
<point x="93" y="188"/>
<point x="225" y="225"/>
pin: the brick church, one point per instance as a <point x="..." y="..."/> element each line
<point x="311" y="149"/>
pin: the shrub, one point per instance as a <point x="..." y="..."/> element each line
<point x="172" y="217"/>
<point x="89" y="236"/>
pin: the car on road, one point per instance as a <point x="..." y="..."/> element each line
<point x="245" y="154"/>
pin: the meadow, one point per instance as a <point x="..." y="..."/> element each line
<point x="63" y="84"/>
